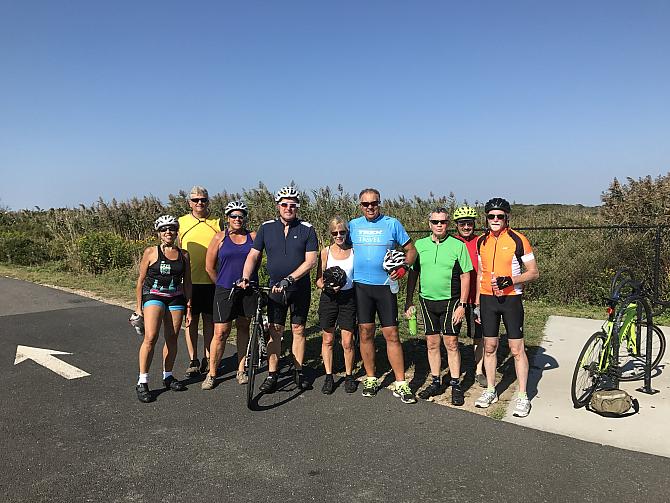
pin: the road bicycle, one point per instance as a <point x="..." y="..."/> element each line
<point x="627" y="347"/>
<point x="256" y="356"/>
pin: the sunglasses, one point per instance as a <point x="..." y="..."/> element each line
<point x="491" y="216"/>
<point x="290" y="206"/>
<point x="438" y="222"/>
<point x="338" y="233"/>
<point x="236" y="217"/>
<point x="197" y="200"/>
<point x="366" y="204"/>
<point x="165" y="229"/>
<point x="463" y="223"/>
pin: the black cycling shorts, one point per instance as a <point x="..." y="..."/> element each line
<point x="203" y="299"/>
<point x="376" y="299"/>
<point x="297" y="301"/>
<point x="338" y="309"/>
<point x="437" y="316"/>
<point x="474" y="328"/>
<point x="226" y="309"/>
<point x="509" y="307"/>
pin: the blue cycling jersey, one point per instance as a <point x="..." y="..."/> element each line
<point x="371" y="239"/>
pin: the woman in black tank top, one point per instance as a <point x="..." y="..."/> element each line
<point x="163" y="294"/>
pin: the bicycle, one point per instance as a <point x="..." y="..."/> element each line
<point x="627" y="347"/>
<point x="256" y="347"/>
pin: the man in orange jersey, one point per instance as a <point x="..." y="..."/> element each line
<point x="506" y="263"/>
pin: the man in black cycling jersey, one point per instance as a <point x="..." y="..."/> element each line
<point x="291" y="247"/>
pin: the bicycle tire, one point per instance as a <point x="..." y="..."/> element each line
<point x="632" y="366"/>
<point x="252" y="360"/>
<point x="585" y="377"/>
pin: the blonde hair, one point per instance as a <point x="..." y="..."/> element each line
<point x="335" y="221"/>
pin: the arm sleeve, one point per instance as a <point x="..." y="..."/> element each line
<point x="258" y="242"/>
<point x="417" y="263"/>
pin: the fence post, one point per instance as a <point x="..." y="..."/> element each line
<point x="657" y="260"/>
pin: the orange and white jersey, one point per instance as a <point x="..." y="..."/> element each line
<point x="502" y="256"/>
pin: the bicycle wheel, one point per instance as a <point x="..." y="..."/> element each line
<point x="633" y="354"/>
<point x="586" y="377"/>
<point x="252" y="359"/>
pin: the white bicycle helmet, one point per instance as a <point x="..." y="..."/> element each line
<point x="236" y="205"/>
<point x="165" y="220"/>
<point x="288" y="192"/>
<point x="393" y="260"/>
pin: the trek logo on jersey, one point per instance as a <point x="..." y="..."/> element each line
<point x="165" y="268"/>
<point x="370" y="235"/>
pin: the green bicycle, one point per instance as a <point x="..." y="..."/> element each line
<point x="626" y="347"/>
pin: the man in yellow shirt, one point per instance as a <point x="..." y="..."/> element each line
<point x="196" y="231"/>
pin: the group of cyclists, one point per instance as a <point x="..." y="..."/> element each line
<point x="201" y="271"/>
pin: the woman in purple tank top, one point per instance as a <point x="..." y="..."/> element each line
<point x="224" y="263"/>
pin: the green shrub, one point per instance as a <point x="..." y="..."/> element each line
<point x="104" y="251"/>
<point x="23" y="249"/>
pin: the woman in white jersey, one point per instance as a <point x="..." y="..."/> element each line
<point x="337" y="305"/>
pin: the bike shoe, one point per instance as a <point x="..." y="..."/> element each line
<point x="269" y="385"/>
<point x="432" y="389"/>
<point x="350" y="384"/>
<point x="328" y="385"/>
<point x="143" y="393"/>
<point x="300" y="381"/>
<point x="209" y="382"/>
<point x="171" y="383"/>
<point x="457" y="396"/>
<point x="193" y="369"/>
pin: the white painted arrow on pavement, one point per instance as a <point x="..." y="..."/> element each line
<point x="45" y="358"/>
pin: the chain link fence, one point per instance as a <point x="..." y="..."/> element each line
<point x="577" y="263"/>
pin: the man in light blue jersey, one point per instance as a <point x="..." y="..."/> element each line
<point x="372" y="235"/>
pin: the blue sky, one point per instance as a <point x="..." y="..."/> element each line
<point x="535" y="101"/>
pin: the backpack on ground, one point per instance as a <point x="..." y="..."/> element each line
<point x="613" y="403"/>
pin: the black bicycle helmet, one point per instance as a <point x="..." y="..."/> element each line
<point x="497" y="203"/>
<point x="333" y="277"/>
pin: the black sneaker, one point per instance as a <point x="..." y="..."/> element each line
<point x="193" y="369"/>
<point x="171" y="383"/>
<point x="300" y="381"/>
<point x="350" y="384"/>
<point x="457" y="397"/>
<point x="269" y="385"/>
<point x="328" y="385"/>
<point x="143" y="393"/>
<point x="204" y="365"/>
<point x="433" y="389"/>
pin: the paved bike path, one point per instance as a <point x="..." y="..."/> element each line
<point x="89" y="439"/>
<point x="550" y="379"/>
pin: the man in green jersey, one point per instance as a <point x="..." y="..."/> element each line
<point x="442" y="268"/>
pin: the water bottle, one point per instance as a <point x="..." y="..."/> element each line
<point x="411" y="323"/>
<point x="394" y="286"/>
<point x="137" y="322"/>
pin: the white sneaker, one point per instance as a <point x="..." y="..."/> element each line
<point x="522" y="408"/>
<point x="487" y="398"/>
